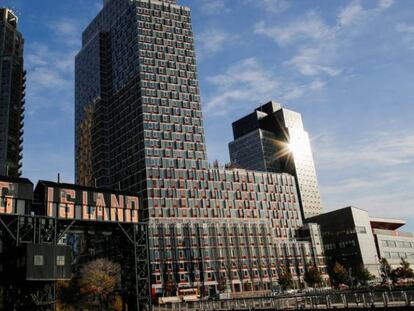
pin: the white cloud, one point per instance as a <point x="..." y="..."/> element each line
<point x="214" y="7"/>
<point x="316" y="45"/>
<point x="408" y="34"/>
<point x="50" y="70"/>
<point x="98" y="5"/>
<point x="214" y="40"/>
<point x="311" y="27"/>
<point x="385" y="4"/>
<point x="317" y="85"/>
<point x="49" y="62"/>
<point x="376" y="194"/>
<point x="378" y="150"/>
<point x="49" y="77"/>
<point x="354" y="13"/>
<point x="68" y="30"/>
<point x="313" y="40"/>
<point x="246" y="80"/>
<point x="36" y="59"/>
<point x="272" y="6"/>
<point x="374" y="173"/>
<point x="275" y="6"/>
<point x="351" y="14"/>
<point x="312" y="62"/>
<point x="247" y="83"/>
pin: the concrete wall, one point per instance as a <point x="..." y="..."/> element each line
<point x="366" y="240"/>
<point x="394" y="245"/>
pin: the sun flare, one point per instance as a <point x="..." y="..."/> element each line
<point x="297" y="147"/>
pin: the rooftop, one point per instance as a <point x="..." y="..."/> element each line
<point x="386" y="223"/>
<point x="9" y="15"/>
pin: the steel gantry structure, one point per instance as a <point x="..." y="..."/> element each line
<point x="43" y="233"/>
<point x="21" y="231"/>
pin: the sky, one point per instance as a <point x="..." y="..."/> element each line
<point x="346" y="66"/>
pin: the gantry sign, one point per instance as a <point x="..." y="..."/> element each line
<point x="65" y="201"/>
<point x="33" y="227"/>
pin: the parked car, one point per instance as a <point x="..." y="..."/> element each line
<point x="343" y="287"/>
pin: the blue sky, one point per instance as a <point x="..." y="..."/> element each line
<point x="347" y="66"/>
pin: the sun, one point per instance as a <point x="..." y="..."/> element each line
<point x="297" y="147"/>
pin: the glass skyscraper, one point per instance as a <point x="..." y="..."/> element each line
<point x="273" y="139"/>
<point x="137" y="96"/>
<point x="139" y="127"/>
<point x="12" y="92"/>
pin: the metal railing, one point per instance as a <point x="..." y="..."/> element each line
<point x="328" y="300"/>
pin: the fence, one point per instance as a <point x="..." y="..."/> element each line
<point x="328" y="300"/>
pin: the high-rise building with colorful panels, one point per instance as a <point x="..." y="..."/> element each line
<point x="137" y="87"/>
<point x="12" y="93"/>
<point x="139" y="127"/>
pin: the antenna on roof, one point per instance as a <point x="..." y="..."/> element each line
<point x="58" y="178"/>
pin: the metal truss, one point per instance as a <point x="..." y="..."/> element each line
<point x="17" y="230"/>
<point x="137" y="235"/>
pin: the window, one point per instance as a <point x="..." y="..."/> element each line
<point x="407" y="244"/>
<point x="361" y="229"/>
<point x="38" y="260"/>
<point x="60" y="261"/>
<point x="402" y="255"/>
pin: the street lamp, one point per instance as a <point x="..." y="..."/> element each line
<point x="350" y="276"/>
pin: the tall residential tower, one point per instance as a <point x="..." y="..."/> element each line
<point x="273" y="139"/>
<point x="137" y="96"/>
<point x="12" y="92"/>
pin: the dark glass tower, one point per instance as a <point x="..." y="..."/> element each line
<point x="137" y="95"/>
<point x="12" y="92"/>
<point x="273" y="139"/>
